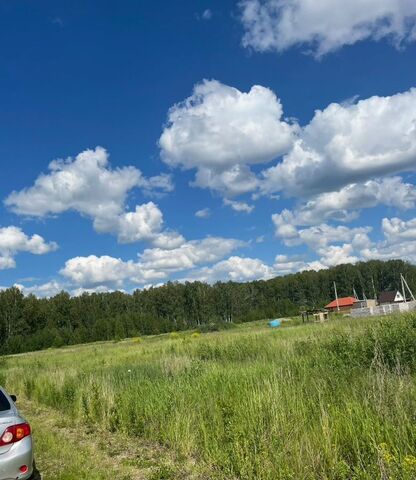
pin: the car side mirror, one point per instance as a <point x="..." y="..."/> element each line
<point x="13" y="397"/>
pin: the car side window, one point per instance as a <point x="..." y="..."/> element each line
<point x="4" y="403"/>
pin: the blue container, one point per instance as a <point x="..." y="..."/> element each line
<point x="274" y="323"/>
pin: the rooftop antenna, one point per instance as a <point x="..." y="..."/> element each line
<point x="336" y="295"/>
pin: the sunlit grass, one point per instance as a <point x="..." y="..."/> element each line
<point x="328" y="401"/>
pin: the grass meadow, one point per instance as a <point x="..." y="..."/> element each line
<point x="316" y="401"/>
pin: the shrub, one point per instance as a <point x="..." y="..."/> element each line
<point x="390" y="343"/>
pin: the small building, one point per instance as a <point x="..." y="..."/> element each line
<point x="394" y="296"/>
<point x="343" y="304"/>
<point x="317" y="314"/>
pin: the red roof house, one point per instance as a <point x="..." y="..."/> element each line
<point x="344" y="303"/>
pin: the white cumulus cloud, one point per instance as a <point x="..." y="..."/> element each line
<point x="13" y="240"/>
<point x="239" y="206"/>
<point x="325" y="25"/>
<point x="235" y="268"/>
<point x="87" y="184"/>
<point x="285" y="264"/>
<point x="220" y="131"/>
<point x="343" y="205"/>
<point x="349" y="143"/>
<point x="399" y="241"/>
<point x="93" y="271"/>
<point x="44" y="290"/>
<point x="190" y="254"/>
<point x="153" y="265"/>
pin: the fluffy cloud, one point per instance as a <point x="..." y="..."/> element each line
<point x="77" y="292"/>
<point x="349" y="143"/>
<point x="189" y="255"/>
<point x="88" y="185"/>
<point x="316" y="236"/>
<point x="337" y="245"/>
<point x="396" y="230"/>
<point x="343" y="205"/>
<point x="325" y="26"/>
<point x="333" y="255"/>
<point x="154" y="264"/>
<point x="45" y="290"/>
<point x="142" y="224"/>
<point x="220" y="130"/>
<point x="399" y="241"/>
<point x="13" y="240"/>
<point x="242" y="269"/>
<point x="338" y="161"/>
<point x="237" y="269"/>
<point x="285" y="264"/>
<point x="236" y="180"/>
<point x="239" y="206"/>
<point x="93" y="271"/>
<point x="168" y="240"/>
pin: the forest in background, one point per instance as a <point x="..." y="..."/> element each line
<point x="29" y="323"/>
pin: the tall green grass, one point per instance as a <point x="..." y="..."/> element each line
<point x="320" y="401"/>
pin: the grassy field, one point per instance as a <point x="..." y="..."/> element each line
<point x="317" y="401"/>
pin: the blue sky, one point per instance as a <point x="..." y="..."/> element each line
<point x="206" y="140"/>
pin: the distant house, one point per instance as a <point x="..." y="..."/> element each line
<point x="345" y="305"/>
<point x="394" y="296"/>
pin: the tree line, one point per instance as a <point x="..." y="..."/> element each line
<point x="29" y="323"/>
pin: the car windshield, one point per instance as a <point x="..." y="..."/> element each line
<point x="4" y="403"/>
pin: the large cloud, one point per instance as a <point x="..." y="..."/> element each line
<point x="190" y="254"/>
<point x="44" y="290"/>
<point x="13" y="240"/>
<point x="87" y="184"/>
<point x="237" y="269"/>
<point x="325" y="25"/>
<point x="220" y="130"/>
<point x="399" y="241"/>
<point x="105" y="270"/>
<point x="153" y="265"/>
<point x="337" y="161"/>
<point x="336" y="245"/>
<point x="349" y="143"/>
<point x="344" y="205"/>
<point x="285" y="264"/>
<point x="318" y="235"/>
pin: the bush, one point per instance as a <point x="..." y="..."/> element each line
<point x="390" y="343"/>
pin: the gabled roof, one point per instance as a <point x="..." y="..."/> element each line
<point x="342" y="302"/>
<point x="388" y="297"/>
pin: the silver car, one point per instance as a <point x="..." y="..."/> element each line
<point x="16" y="447"/>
